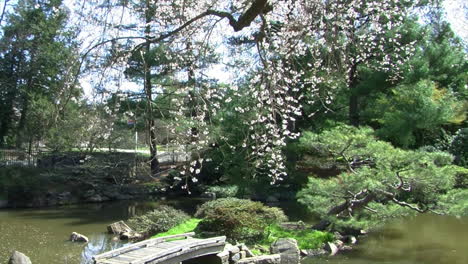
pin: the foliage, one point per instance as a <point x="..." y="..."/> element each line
<point x="37" y="59"/>
<point x="413" y="107"/>
<point x="19" y="184"/>
<point x="455" y="202"/>
<point x="378" y="181"/>
<point x="158" y="220"/>
<point x="185" y="227"/>
<point x="459" y="147"/>
<point x="224" y="191"/>
<point x="306" y="239"/>
<point x="238" y="219"/>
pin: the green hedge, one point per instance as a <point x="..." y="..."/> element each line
<point x="238" y="219"/>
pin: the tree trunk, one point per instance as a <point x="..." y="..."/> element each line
<point x="348" y="205"/>
<point x="353" y="97"/>
<point x="149" y="97"/>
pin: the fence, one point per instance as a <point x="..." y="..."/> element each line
<point x="18" y="157"/>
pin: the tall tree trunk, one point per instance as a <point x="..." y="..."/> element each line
<point x="151" y="124"/>
<point x="22" y="122"/>
<point x="353" y="115"/>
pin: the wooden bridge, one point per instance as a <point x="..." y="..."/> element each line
<point x="168" y="250"/>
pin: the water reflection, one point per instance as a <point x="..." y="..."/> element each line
<point x="42" y="234"/>
<point x="428" y="239"/>
<point x="98" y="244"/>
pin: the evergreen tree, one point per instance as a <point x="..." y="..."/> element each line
<point x="37" y="59"/>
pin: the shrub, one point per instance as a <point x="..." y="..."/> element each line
<point x="459" y="147"/>
<point x="20" y="184"/>
<point x="238" y="219"/>
<point x="158" y="220"/>
<point x="224" y="191"/>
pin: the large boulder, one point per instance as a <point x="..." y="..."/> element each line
<point x="19" y="258"/>
<point x="331" y="248"/>
<point x="75" y="237"/>
<point x="265" y="259"/>
<point x="118" y="228"/>
<point x="288" y="249"/>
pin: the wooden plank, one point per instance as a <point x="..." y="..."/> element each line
<point x="180" y="248"/>
<point x="189" y="253"/>
<point x="138" y="245"/>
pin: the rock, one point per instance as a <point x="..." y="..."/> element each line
<point x="265" y="259"/>
<point x="350" y="240"/>
<point x="331" y="248"/>
<point x="294" y="225"/>
<point x="97" y="199"/>
<point x="272" y="199"/>
<point x="208" y="195"/>
<point x="131" y="236"/>
<point x="89" y="193"/>
<point x="232" y="249"/>
<point x="346" y="248"/>
<point x="288" y="249"/>
<point x="75" y="237"/>
<point x="315" y="252"/>
<point x="236" y="257"/>
<point x="3" y="203"/>
<point x="65" y="198"/>
<point x="338" y="236"/>
<point x="118" y="228"/>
<point x="339" y="244"/>
<point x="223" y="256"/>
<point x="261" y="249"/>
<point x="19" y="258"/>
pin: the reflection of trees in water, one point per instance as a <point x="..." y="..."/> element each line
<point x="97" y="244"/>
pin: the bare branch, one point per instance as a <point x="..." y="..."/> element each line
<point x="405" y="204"/>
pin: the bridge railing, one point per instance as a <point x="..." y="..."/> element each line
<point x="139" y="245"/>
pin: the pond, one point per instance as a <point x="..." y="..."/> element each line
<point x="424" y="239"/>
<point x="42" y="235"/>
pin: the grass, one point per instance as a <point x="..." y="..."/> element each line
<point x="185" y="227"/>
<point x="306" y="239"/>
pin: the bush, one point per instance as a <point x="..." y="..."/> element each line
<point x="306" y="239"/>
<point x="19" y="184"/>
<point x="224" y="191"/>
<point x="238" y="219"/>
<point x="459" y="147"/>
<point x="158" y="220"/>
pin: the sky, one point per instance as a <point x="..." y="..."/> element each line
<point x="456" y="14"/>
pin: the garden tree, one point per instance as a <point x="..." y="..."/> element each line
<point x="413" y="109"/>
<point x="433" y="78"/>
<point x="282" y="31"/>
<point x="37" y="60"/>
<point x="158" y="68"/>
<point x="377" y="181"/>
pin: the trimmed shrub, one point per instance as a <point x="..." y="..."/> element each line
<point x="158" y="220"/>
<point x="224" y="191"/>
<point x="238" y="219"/>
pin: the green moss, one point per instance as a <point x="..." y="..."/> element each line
<point x="185" y="227"/>
<point x="306" y="239"/>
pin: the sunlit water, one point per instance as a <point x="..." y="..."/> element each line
<point x="425" y="239"/>
<point x="42" y="235"/>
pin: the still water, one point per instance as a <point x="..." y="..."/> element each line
<point x="425" y="239"/>
<point x="42" y="235"/>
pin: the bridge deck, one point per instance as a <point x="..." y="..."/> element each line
<point x="163" y="249"/>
